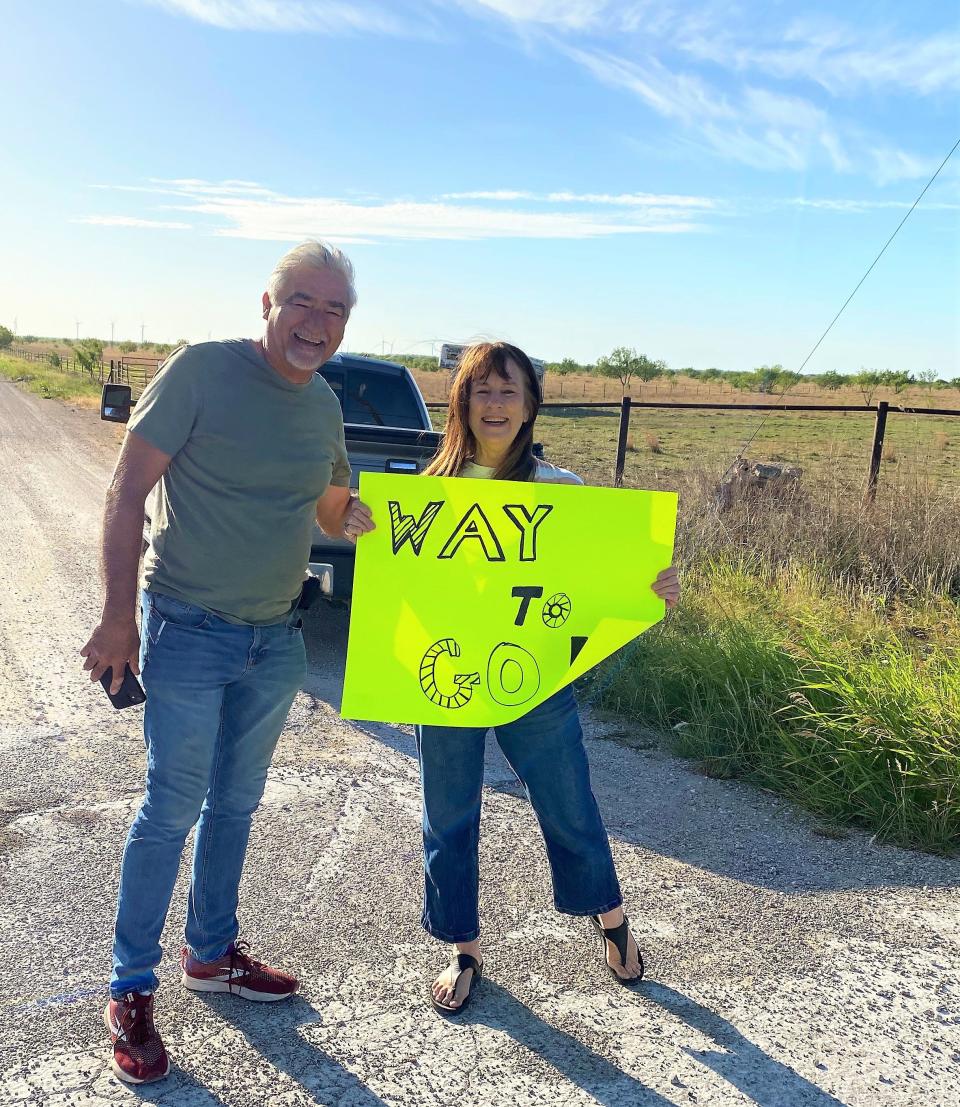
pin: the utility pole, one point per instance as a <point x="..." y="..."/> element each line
<point x="77" y="321"/>
<point x="142" y="327"/>
<point x="112" y="322"/>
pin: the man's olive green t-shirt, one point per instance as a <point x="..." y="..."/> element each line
<point x="252" y="452"/>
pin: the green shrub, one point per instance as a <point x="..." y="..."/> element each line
<point x="817" y="695"/>
<point x="815" y="650"/>
<point x="89" y="354"/>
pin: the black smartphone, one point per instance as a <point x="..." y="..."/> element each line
<point x="130" y="693"/>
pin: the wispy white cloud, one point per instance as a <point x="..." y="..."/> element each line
<point x="132" y="221"/>
<point x="843" y="59"/>
<point x="639" y="46"/>
<point x="633" y="199"/>
<point x="224" y="188"/>
<point x="891" y="165"/>
<point x="251" y="211"/>
<point x="716" y="73"/>
<point x="860" y="206"/>
<point x="403" y="16"/>
<point x="840" y="57"/>
<point x="760" y="128"/>
<point x="605" y="18"/>
<point x="156" y="186"/>
<point x="676" y="95"/>
<point x="577" y="15"/>
<point x="623" y="199"/>
<point x="330" y="17"/>
<point x="496" y="194"/>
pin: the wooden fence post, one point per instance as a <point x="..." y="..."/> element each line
<point x="622" y="442"/>
<point x="876" y="453"/>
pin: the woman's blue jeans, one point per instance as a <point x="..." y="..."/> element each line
<point x="545" y="750"/>
<point x="218" y="694"/>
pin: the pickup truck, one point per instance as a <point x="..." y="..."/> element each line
<point x="387" y="430"/>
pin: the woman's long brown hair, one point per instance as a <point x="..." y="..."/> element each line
<point x="459" y="445"/>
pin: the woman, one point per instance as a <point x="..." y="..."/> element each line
<point x="493" y="405"/>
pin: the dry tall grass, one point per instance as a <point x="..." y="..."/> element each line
<point x="905" y="544"/>
<point x="816" y="651"/>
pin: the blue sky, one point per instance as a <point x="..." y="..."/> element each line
<point x="703" y="181"/>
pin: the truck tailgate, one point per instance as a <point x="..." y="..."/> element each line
<point x="372" y="450"/>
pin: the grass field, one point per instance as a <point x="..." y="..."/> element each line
<point x="846" y="703"/>
<point x="51" y="383"/>
<point x="570" y="389"/>
<point x="815" y="651"/>
<point x="662" y="445"/>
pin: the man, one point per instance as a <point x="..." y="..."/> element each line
<point x="247" y="444"/>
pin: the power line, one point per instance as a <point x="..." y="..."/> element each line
<point x="816" y="345"/>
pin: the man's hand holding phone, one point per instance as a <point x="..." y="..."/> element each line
<point x="114" y="645"/>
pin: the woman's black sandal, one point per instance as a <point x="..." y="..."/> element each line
<point x="463" y="961"/>
<point x="618" y="935"/>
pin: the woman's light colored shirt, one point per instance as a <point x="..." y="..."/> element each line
<point x="545" y="474"/>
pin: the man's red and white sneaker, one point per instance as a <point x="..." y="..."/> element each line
<point x="138" y="1053"/>
<point x="238" y="973"/>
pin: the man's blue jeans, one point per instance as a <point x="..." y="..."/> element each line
<point x="545" y="750"/>
<point x="218" y="694"/>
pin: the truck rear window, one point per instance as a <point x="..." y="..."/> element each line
<point x="376" y="399"/>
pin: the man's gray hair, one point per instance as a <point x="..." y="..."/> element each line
<point x="321" y="255"/>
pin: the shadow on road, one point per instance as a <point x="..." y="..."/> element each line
<point x="273" y="1033"/>
<point x="766" y="1082"/>
<point x="579" y="1064"/>
<point x="178" y="1088"/>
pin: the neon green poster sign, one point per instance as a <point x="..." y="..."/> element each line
<point x="476" y="600"/>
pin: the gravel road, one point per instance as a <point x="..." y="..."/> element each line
<point x="785" y="969"/>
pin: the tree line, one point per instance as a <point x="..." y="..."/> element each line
<point x="7" y="338"/>
<point x="631" y="368"/>
<point x="623" y="363"/>
<point x="628" y="366"/>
